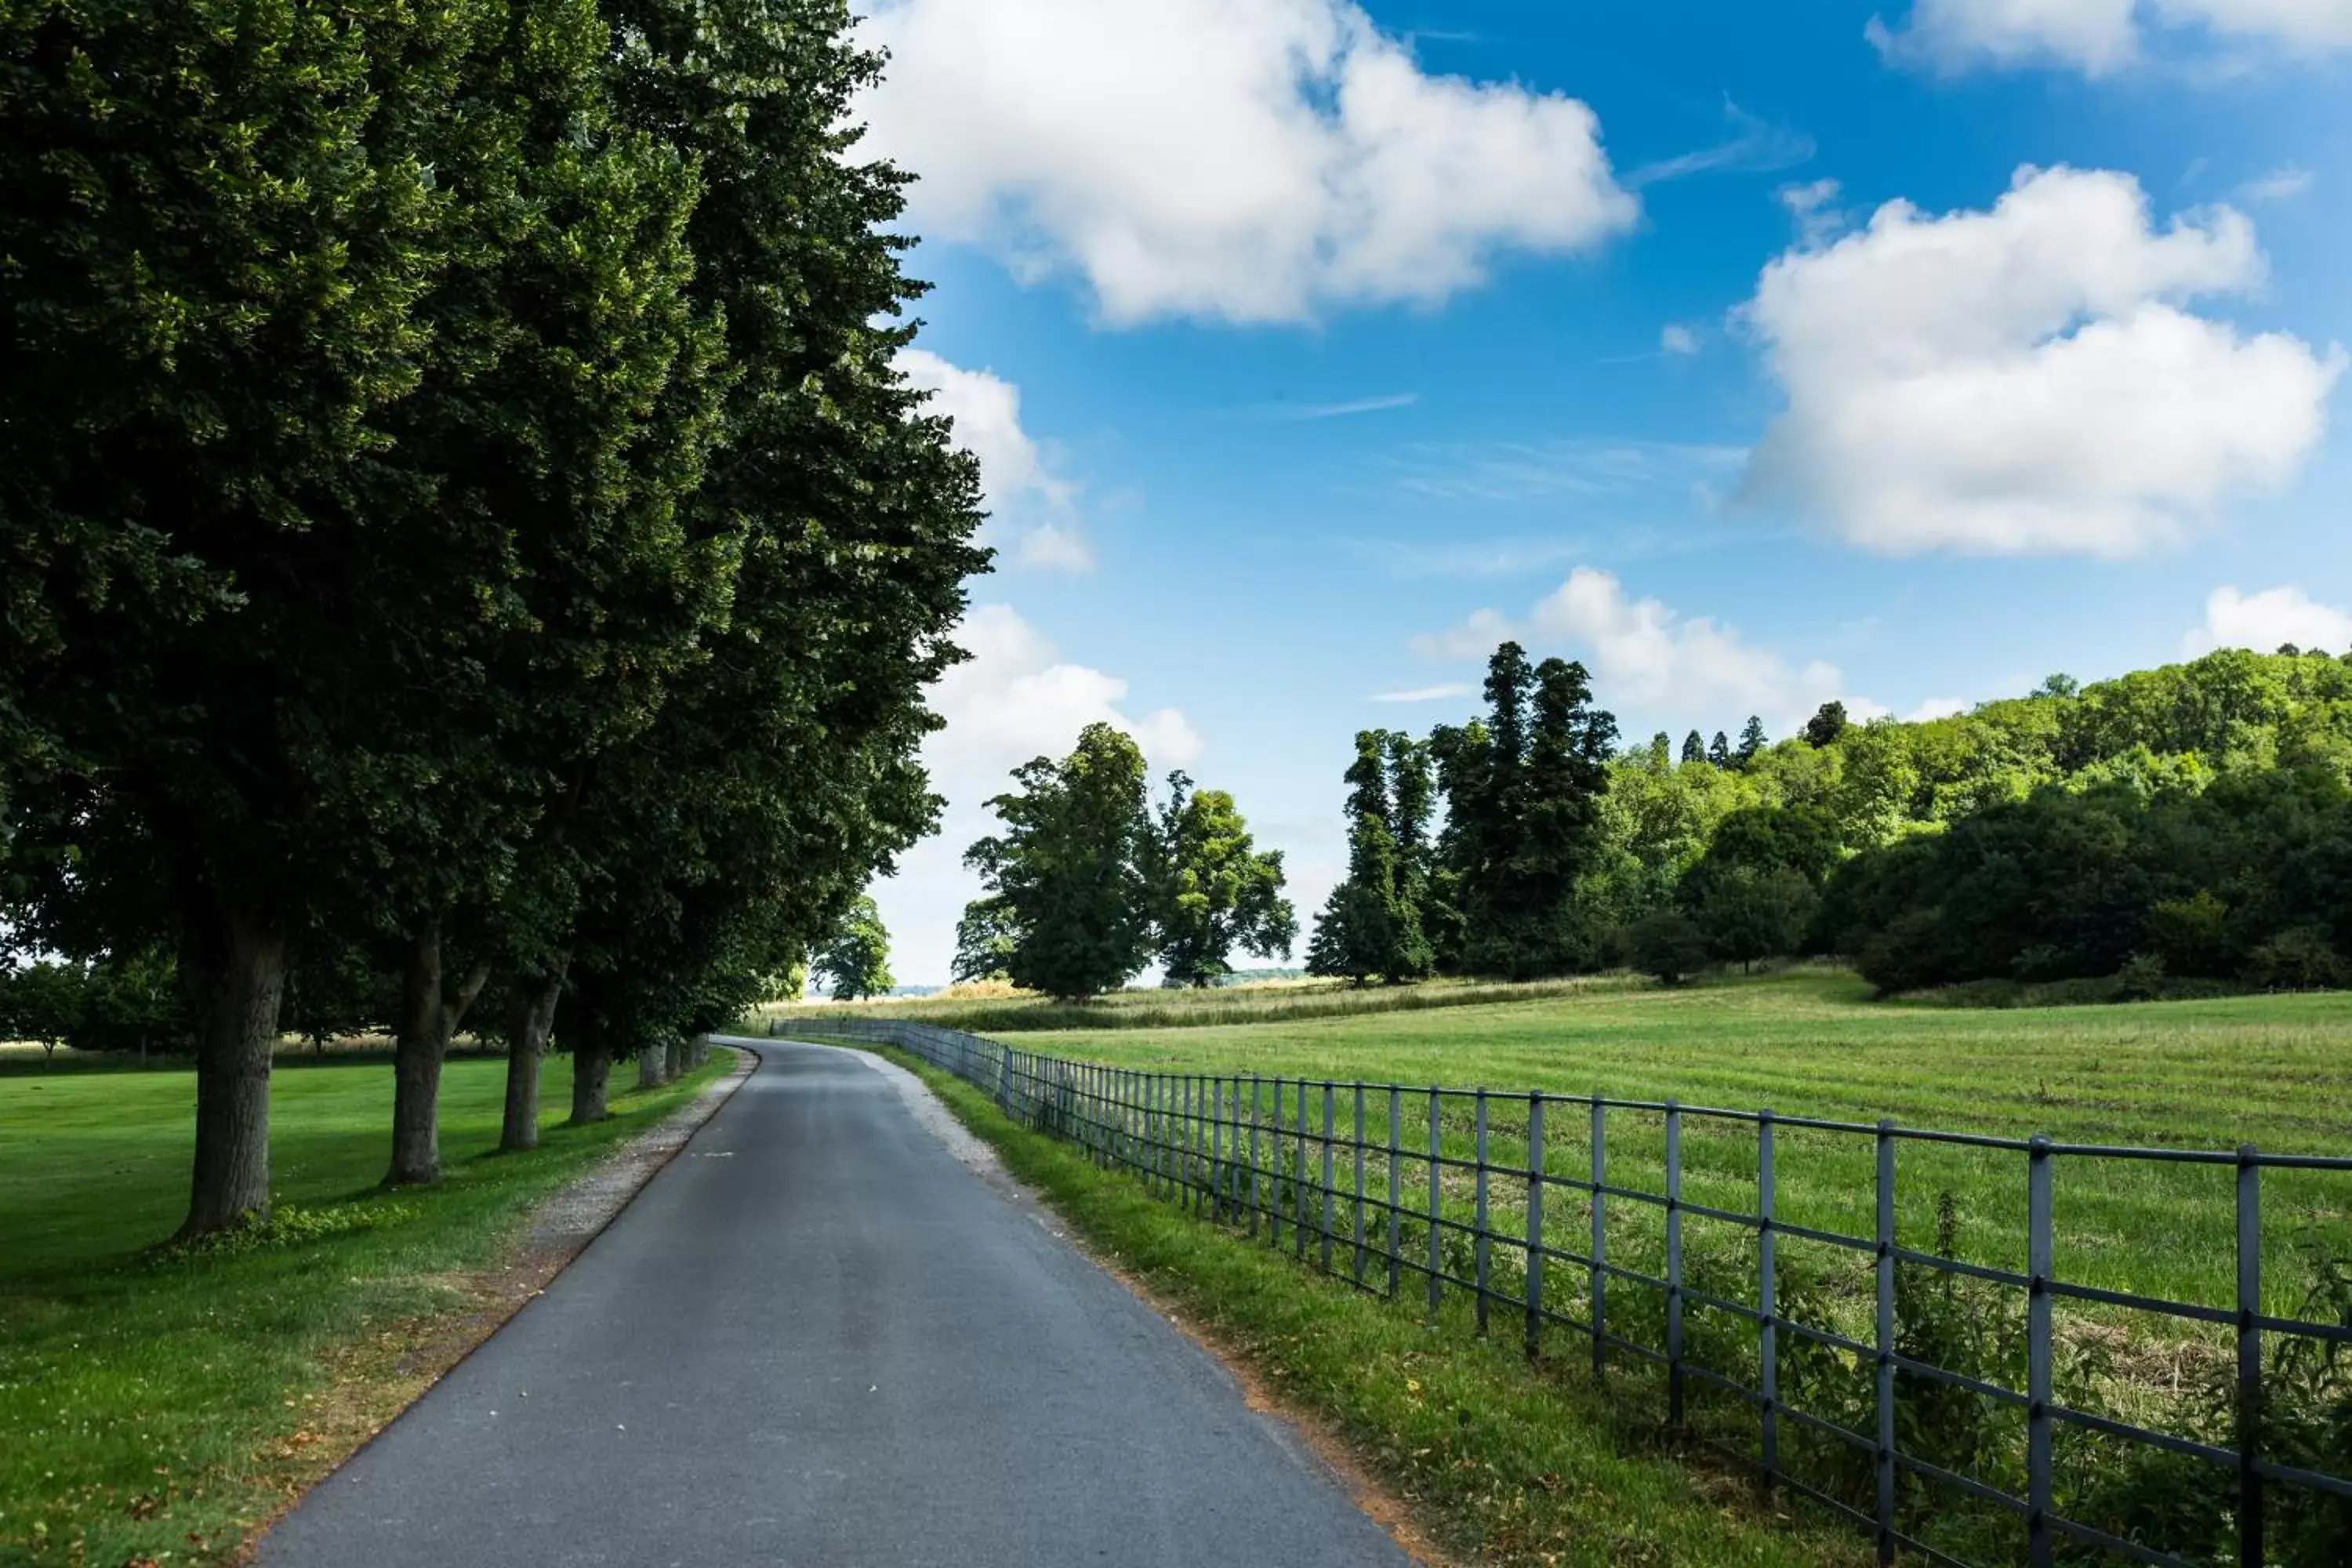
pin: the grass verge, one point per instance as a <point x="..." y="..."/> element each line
<point x="156" y="1405"/>
<point x="1499" y="1462"/>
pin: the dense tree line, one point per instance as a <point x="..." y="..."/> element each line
<point x="469" y="554"/>
<point x="2189" y="821"/>
<point x="1086" y="885"/>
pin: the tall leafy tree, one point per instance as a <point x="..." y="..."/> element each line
<point x="1066" y="867"/>
<point x="1719" y="750"/>
<point x="1412" y="800"/>
<point x="1211" y="889"/>
<point x="1751" y="741"/>
<point x="222" y="225"/>
<point x="1694" y="749"/>
<point x="856" y="957"/>
<point x="1828" y="722"/>
<point x="1357" y="932"/>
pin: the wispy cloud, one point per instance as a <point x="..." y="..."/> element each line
<point x="1522" y="471"/>
<point x="1466" y="558"/>
<point x="1756" y="147"/>
<point x="2278" y="185"/>
<point x="1282" y="412"/>
<point x="1426" y="693"/>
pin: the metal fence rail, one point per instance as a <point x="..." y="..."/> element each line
<point x="1394" y="1187"/>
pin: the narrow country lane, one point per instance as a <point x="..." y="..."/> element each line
<point x="817" y="1338"/>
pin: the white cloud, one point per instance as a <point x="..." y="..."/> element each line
<point x="1646" y="658"/>
<point x="1244" y="160"/>
<point x="1017" y="698"/>
<point x="2098" y="37"/>
<point x="1014" y="473"/>
<point x="1677" y="339"/>
<point x="1427" y="693"/>
<point x="1937" y="708"/>
<point x="2278" y="185"/>
<point x="2265" y="620"/>
<point x="2026" y="380"/>
<point x="1812" y="207"/>
<point x="1755" y="147"/>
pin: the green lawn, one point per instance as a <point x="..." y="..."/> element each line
<point x="1506" y="1463"/>
<point x="152" y="1404"/>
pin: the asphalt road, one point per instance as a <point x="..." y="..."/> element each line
<point x="817" y="1338"/>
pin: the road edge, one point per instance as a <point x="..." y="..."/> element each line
<point x="554" y="1233"/>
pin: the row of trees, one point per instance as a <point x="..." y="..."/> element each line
<point x="2191" y="818"/>
<point x="464" y="534"/>
<point x="1495" y="891"/>
<point x="1086" y="885"/>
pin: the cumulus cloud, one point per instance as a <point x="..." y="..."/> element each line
<point x="2098" y="37"/>
<point x="1017" y="698"/>
<point x="1241" y="160"/>
<point x="1018" y="482"/>
<point x="2028" y="379"/>
<point x="2264" y="621"/>
<point x="1648" y="660"/>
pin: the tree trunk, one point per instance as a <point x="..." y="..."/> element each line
<point x="534" y="1014"/>
<point x="650" y="1059"/>
<point x="592" y="1064"/>
<point x="417" y="1049"/>
<point x="674" y="1061"/>
<point x="245" y="976"/>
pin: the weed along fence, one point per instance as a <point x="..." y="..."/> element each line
<point x="1900" y="1324"/>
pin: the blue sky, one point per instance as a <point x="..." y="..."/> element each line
<point x="1309" y="346"/>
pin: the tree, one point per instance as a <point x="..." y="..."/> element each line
<point x="1371" y="925"/>
<point x="985" y="937"/>
<point x="1719" y="750"/>
<point x="1210" y="889"/>
<point x="1066" y="867"/>
<point x="857" y="956"/>
<point x="1750" y="913"/>
<point x="42" y="1003"/>
<point x="222" y="225"/>
<point x="1751" y="741"/>
<point x="1669" y="945"/>
<point x="1828" y="722"/>
<point x="1694" y="749"/>
<point x="1411" y="801"/>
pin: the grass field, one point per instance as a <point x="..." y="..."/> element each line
<point x="154" y="1403"/>
<point x="1505" y="1463"/>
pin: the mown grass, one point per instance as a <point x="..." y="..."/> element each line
<point x="154" y="1403"/>
<point x="1502" y="1461"/>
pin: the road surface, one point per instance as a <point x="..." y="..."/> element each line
<point x="817" y="1338"/>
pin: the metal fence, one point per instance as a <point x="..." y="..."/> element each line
<point x="1929" y="1397"/>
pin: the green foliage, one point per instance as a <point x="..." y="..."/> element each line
<point x="1669" y="944"/>
<point x="1066" y="869"/>
<point x="1372" y="924"/>
<point x="1210" y="889"/>
<point x="42" y="1003"/>
<point x="857" y="955"/>
<point x="1828" y="722"/>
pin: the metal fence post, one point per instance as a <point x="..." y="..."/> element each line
<point x="1298" y="1221"/>
<point x="1535" y="1253"/>
<point x="1258" y="1113"/>
<point x="1396" y="1187"/>
<point x="2040" y="1258"/>
<point x="1327" y="1182"/>
<point x="1436" y="1204"/>
<point x="1480" y="1245"/>
<point x="2250" y="1543"/>
<point x="1356" y="1222"/>
<point x="1885" y="1342"/>
<point x="1767" y="1300"/>
<point x="1217" y="1147"/>
<point x="1675" y="1379"/>
<point x="1600" y="1265"/>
